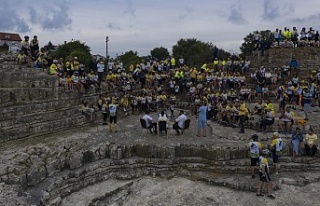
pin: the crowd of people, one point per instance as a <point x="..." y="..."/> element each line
<point x="287" y="38"/>
<point x="217" y="91"/>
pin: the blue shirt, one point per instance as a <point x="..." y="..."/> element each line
<point x="299" y="136"/>
<point x="203" y="113"/>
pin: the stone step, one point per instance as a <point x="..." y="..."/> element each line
<point x="38" y="128"/>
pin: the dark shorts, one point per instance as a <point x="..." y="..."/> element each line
<point x="275" y="158"/>
<point x="113" y="119"/>
<point x="264" y="178"/>
<point x="254" y="161"/>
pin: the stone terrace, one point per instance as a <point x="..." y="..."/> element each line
<point x="55" y="158"/>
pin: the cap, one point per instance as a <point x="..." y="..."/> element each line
<point x="275" y="134"/>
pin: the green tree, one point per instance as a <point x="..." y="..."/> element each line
<point x="72" y="49"/>
<point x="128" y="58"/>
<point x="195" y="52"/>
<point x="247" y="46"/>
<point x="160" y="53"/>
<point x="4" y="47"/>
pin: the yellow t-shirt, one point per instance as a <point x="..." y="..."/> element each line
<point x="193" y="73"/>
<point x="243" y="109"/>
<point x="53" y="69"/>
<point x="311" y="139"/>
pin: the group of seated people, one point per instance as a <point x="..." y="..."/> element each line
<point x="149" y="123"/>
<point x="304" y="144"/>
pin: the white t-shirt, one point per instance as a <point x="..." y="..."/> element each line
<point x="148" y="119"/>
<point x="162" y="118"/>
<point x="181" y="119"/>
<point x="100" y="67"/>
<point x="112" y="110"/>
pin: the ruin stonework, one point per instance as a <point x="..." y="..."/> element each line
<point x="307" y="57"/>
<point x="47" y="159"/>
<point x="32" y="103"/>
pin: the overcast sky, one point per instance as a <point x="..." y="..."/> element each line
<point x="142" y="25"/>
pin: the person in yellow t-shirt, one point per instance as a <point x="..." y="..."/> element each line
<point x="264" y="174"/>
<point x="193" y="74"/>
<point x="276" y="148"/>
<point x="243" y="112"/>
<point x="311" y="142"/>
<point x="53" y="68"/>
<point x="76" y="64"/>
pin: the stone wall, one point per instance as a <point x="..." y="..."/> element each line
<point x="308" y="57"/>
<point x="49" y="174"/>
<point x="32" y="103"/>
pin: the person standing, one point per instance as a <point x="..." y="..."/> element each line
<point x="276" y="147"/>
<point x="202" y="120"/>
<point x="243" y="112"/>
<point x="100" y="69"/>
<point x="296" y="140"/>
<point x="104" y="108"/>
<point x="255" y="149"/>
<point x="264" y="174"/>
<point x="306" y="101"/>
<point x="311" y="141"/>
<point x="34" y="47"/>
<point x="113" y="116"/>
<point x="93" y="64"/>
<point x="179" y="123"/>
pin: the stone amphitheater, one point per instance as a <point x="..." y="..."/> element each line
<point x="50" y="155"/>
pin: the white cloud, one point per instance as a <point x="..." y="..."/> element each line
<point x="142" y="25"/>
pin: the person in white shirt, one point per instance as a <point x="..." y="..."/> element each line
<point x="150" y="123"/>
<point x="163" y="116"/>
<point x="100" y="70"/>
<point x="179" y="124"/>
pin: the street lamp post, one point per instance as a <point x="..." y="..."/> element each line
<point x="107" y="40"/>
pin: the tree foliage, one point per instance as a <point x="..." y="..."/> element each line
<point x="195" y="52"/>
<point x="159" y="53"/>
<point x="248" y="45"/>
<point x="128" y="58"/>
<point x="72" y="49"/>
<point x="4" y="47"/>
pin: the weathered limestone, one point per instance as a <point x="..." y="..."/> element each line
<point x="77" y="167"/>
<point x="32" y="103"/>
<point x="308" y="57"/>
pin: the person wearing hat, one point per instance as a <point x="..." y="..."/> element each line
<point x="276" y="148"/>
<point x="306" y="101"/>
<point x="264" y="174"/>
<point x="255" y="149"/>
